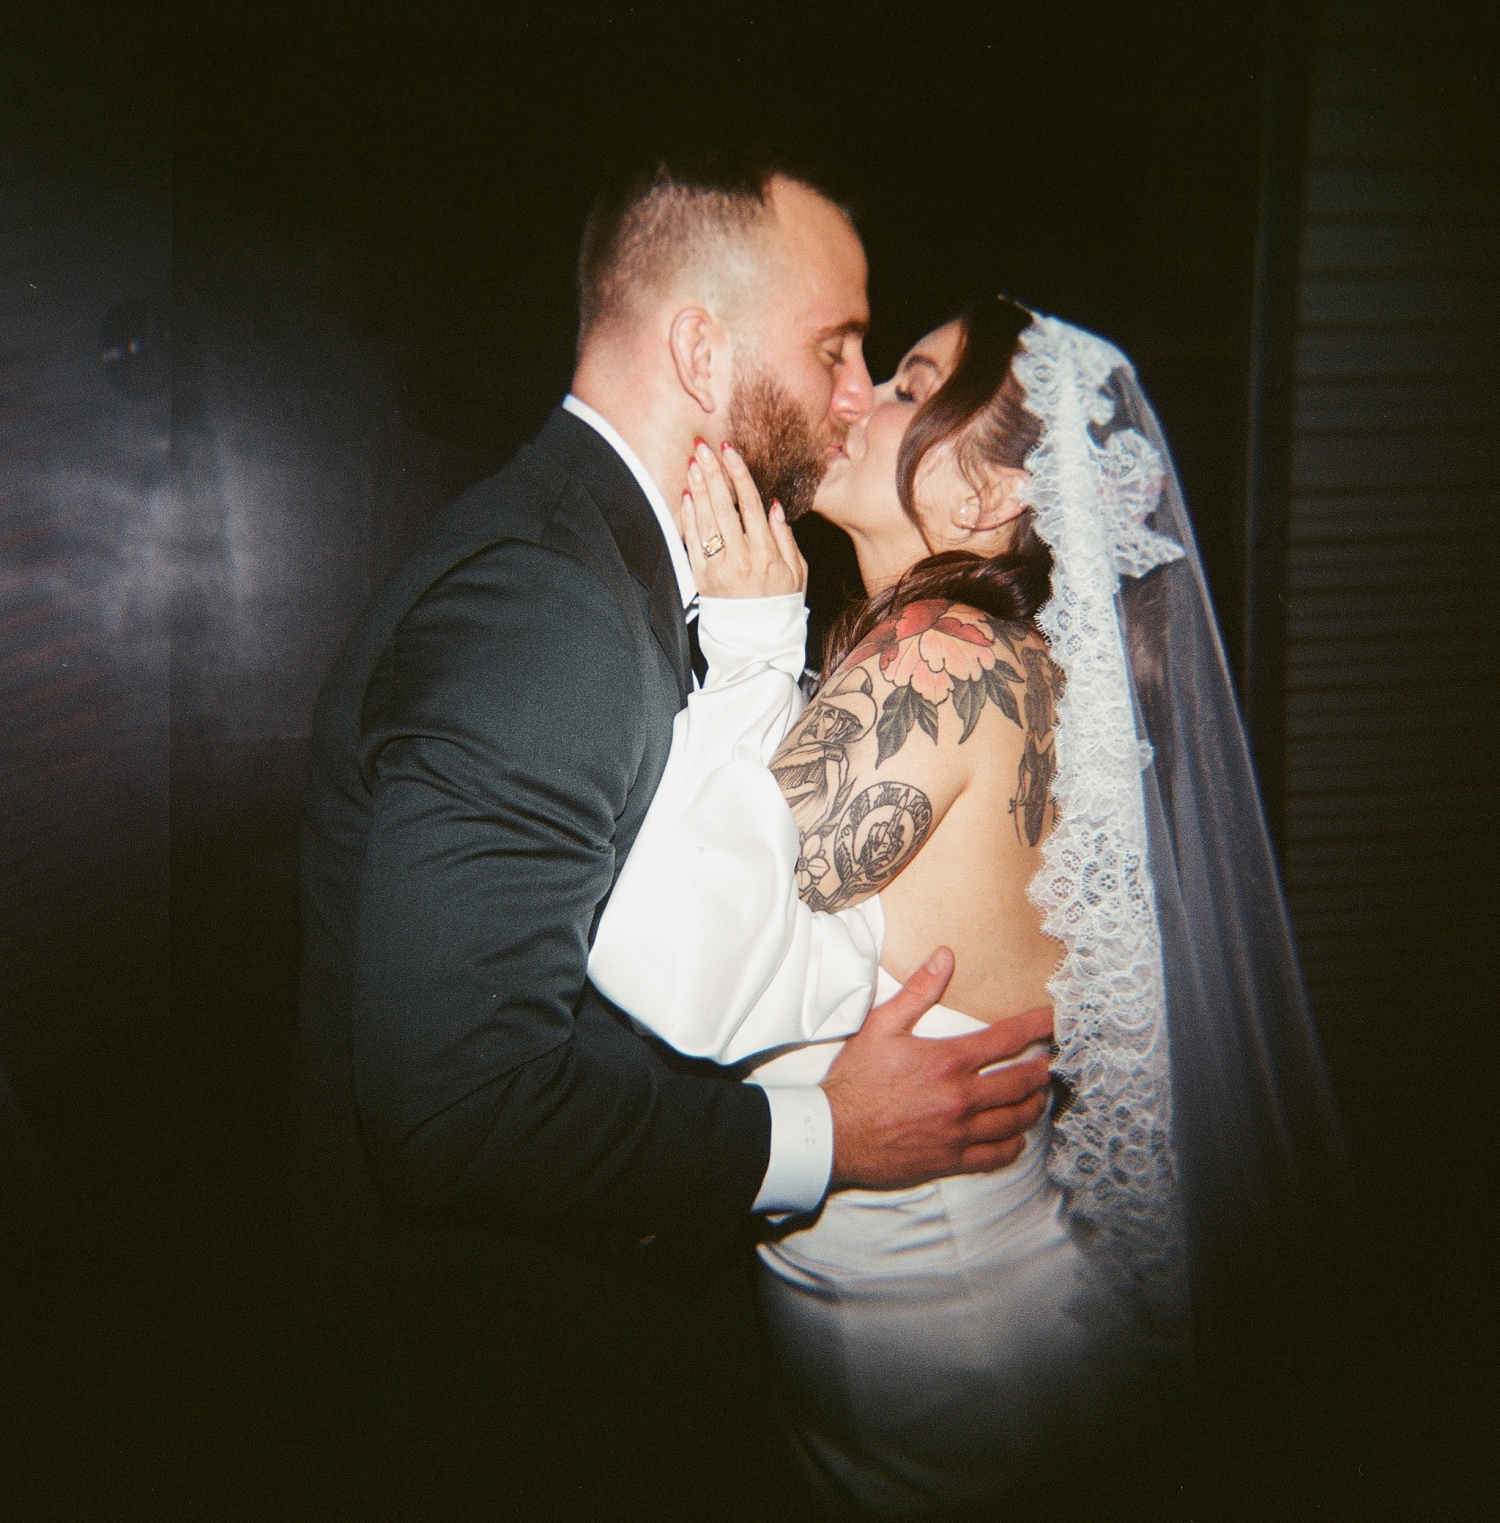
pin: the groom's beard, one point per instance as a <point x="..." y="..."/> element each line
<point x="783" y="452"/>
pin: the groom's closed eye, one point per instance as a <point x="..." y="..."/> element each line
<point x="834" y="343"/>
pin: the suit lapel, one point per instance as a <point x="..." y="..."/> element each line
<point x="588" y="458"/>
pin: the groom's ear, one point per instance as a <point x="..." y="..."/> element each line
<point x="695" y="340"/>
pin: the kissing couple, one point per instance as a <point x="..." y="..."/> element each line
<point x="622" y="955"/>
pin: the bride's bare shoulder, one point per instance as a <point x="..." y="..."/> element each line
<point x="939" y="665"/>
<point x="897" y="733"/>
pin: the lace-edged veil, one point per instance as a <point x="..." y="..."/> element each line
<point x="1201" y="1154"/>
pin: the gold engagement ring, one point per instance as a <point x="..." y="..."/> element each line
<point x="712" y="546"/>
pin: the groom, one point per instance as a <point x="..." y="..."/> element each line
<point x="480" y="1126"/>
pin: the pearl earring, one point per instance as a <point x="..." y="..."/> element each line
<point x="968" y="515"/>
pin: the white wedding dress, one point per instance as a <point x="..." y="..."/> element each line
<point x="940" y="1344"/>
<point x="945" y="1345"/>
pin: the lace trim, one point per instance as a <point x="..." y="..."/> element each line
<point x="1094" y="485"/>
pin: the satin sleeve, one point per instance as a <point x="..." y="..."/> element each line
<point x="705" y="941"/>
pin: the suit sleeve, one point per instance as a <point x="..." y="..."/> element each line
<point x="499" y="746"/>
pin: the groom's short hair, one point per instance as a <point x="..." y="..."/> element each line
<point x="660" y="213"/>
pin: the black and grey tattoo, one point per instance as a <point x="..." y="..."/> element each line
<point x="812" y="766"/>
<point x="853" y="844"/>
<point x="857" y="852"/>
<point x="1038" y="766"/>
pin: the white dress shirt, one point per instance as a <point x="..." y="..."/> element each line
<point x="801" y="1161"/>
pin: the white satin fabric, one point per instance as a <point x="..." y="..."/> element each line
<point x="944" y="1345"/>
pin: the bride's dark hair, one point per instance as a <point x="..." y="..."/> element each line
<point x="982" y="407"/>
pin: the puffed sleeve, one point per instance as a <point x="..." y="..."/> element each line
<point x="705" y="941"/>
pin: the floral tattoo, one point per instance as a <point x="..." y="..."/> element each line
<point x="934" y="653"/>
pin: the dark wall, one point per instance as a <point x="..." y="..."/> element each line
<point x="85" y="564"/>
<point x="358" y="235"/>
<point x="372" y="228"/>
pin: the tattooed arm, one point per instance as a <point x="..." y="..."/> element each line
<point x="889" y="744"/>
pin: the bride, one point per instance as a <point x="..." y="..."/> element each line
<point x="1024" y="746"/>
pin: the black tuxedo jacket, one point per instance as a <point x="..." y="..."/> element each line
<point x="483" y="754"/>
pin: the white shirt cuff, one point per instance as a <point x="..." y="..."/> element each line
<point x="801" y="1149"/>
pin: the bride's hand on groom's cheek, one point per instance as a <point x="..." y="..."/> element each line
<point x="737" y="550"/>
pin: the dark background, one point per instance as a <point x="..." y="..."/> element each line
<point x="343" y="247"/>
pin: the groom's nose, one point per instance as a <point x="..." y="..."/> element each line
<point x="853" y="391"/>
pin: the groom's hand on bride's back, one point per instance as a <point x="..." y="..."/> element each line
<point x="908" y="1109"/>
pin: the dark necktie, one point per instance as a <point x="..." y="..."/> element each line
<point x="695" y="650"/>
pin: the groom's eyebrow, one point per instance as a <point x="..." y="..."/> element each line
<point x="857" y="325"/>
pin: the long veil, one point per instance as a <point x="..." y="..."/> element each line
<point x="1201" y="1156"/>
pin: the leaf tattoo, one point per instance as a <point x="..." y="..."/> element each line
<point x="968" y="704"/>
<point x="997" y="690"/>
<point x="904" y="708"/>
<point x="1013" y="633"/>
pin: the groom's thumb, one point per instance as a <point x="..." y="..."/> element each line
<point x="923" y="990"/>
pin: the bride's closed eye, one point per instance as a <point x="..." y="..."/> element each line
<point x="918" y="377"/>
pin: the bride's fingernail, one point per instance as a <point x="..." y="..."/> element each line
<point x="728" y="448"/>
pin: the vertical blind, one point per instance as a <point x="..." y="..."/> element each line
<point x="1393" y="533"/>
